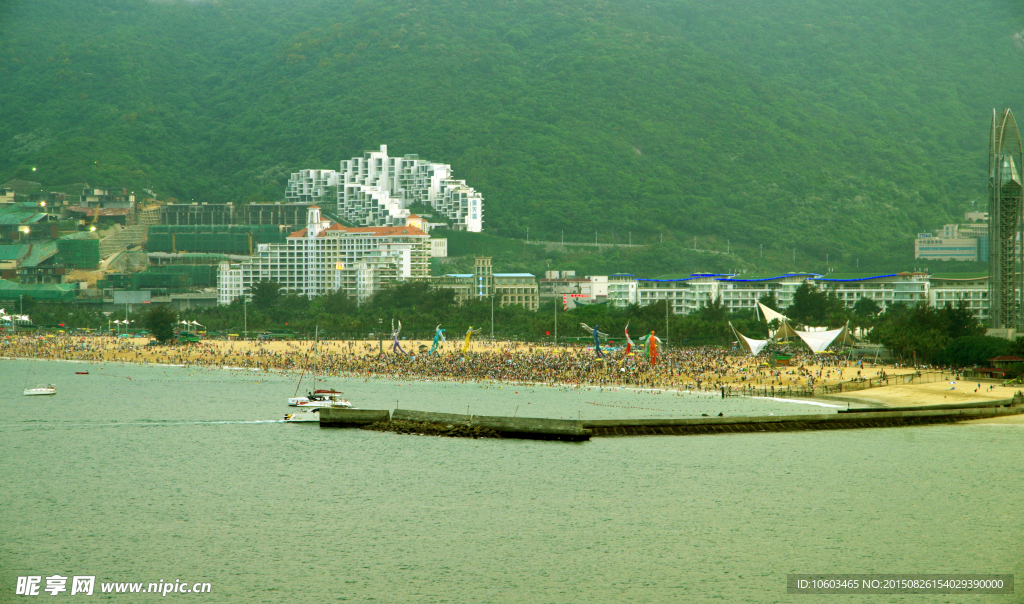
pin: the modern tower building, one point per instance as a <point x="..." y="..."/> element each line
<point x="377" y="190"/>
<point x="1006" y="194"/>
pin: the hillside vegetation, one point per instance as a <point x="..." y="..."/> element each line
<point x="840" y="129"/>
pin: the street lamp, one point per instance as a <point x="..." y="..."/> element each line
<point x="492" y="317"/>
<point x="666" y="320"/>
<point x="556" y="321"/>
<point x="380" y="335"/>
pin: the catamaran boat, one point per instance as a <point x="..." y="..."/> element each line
<point x="303" y="415"/>
<point x="313" y="402"/>
<point x="321" y="398"/>
<point x="40" y="389"/>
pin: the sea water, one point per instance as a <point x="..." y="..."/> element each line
<point x="148" y="473"/>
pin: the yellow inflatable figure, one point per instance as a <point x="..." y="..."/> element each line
<point x="469" y="334"/>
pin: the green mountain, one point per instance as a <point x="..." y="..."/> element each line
<point x="837" y="129"/>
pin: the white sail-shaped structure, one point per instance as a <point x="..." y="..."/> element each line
<point x="754" y="347"/>
<point x="818" y="341"/>
<point x="784" y="330"/>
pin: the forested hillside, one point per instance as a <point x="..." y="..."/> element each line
<point x="837" y="128"/>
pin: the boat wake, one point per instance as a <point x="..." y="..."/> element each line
<point x="42" y="423"/>
<point x="801" y="402"/>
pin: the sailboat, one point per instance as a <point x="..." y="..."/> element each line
<point x="315" y="400"/>
<point x="38" y="389"/>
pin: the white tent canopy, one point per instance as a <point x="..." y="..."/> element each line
<point x="770" y="315"/>
<point x="754" y="347"/>
<point x="784" y="330"/>
<point x="818" y="341"/>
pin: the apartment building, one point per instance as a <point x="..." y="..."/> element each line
<point x="377" y="190"/>
<point x="326" y="257"/>
<point x="622" y="290"/>
<point x="885" y="290"/>
<point x="107" y="197"/>
<point x="743" y="294"/>
<point x="929" y="247"/>
<point x="516" y="288"/>
<point x="953" y="289"/>
<point x="559" y="284"/>
<point x="507" y="288"/>
<point x="689" y="294"/>
<point x="966" y="242"/>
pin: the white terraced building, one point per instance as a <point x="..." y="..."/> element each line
<point x="377" y="190"/>
<point x="326" y="257"/>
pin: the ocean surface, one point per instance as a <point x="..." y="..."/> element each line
<point x="148" y="473"/>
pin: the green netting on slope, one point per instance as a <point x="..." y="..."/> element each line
<point x="78" y="253"/>
<point x="215" y="239"/>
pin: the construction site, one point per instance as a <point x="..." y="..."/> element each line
<point x="86" y="244"/>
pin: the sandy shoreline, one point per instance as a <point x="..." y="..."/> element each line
<point x="935" y="393"/>
<point x="240" y="355"/>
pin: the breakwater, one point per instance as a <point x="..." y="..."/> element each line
<point x="838" y="421"/>
<point x="454" y="424"/>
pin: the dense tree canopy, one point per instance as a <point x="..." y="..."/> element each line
<point x="826" y="131"/>
<point x="160" y="321"/>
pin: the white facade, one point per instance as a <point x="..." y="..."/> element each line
<point x="689" y="294"/>
<point x="316" y="186"/>
<point x="438" y="247"/>
<point x="622" y="290"/>
<point x="973" y="292"/>
<point x="326" y="257"/>
<point x="376" y="190"/>
<point x="598" y="287"/>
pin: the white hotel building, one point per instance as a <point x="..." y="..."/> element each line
<point x="377" y="190"/>
<point x="689" y="294"/>
<point x="326" y="257"/>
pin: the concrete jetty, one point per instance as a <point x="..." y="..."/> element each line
<point x="576" y="430"/>
<point x="871" y="418"/>
<point x="509" y="427"/>
<point x="341" y="417"/>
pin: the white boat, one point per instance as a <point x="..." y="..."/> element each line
<point x="304" y="415"/>
<point x="317" y="399"/>
<point x="321" y="398"/>
<point x="40" y="389"/>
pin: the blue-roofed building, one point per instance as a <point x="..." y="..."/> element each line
<point x="622" y="290"/>
<point x="885" y="290"/>
<point x="742" y="293"/>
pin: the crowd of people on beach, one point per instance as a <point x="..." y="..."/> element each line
<point x="692" y="368"/>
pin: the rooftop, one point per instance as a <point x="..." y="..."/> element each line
<point x="381" y="231"/>
<point x="959" y="276"/>
<point x="102" y="211"/>
<point x="833" y="277"/>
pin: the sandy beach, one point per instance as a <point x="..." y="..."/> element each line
<point x="286" y="355"/>
<point x="935" y="393"/>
